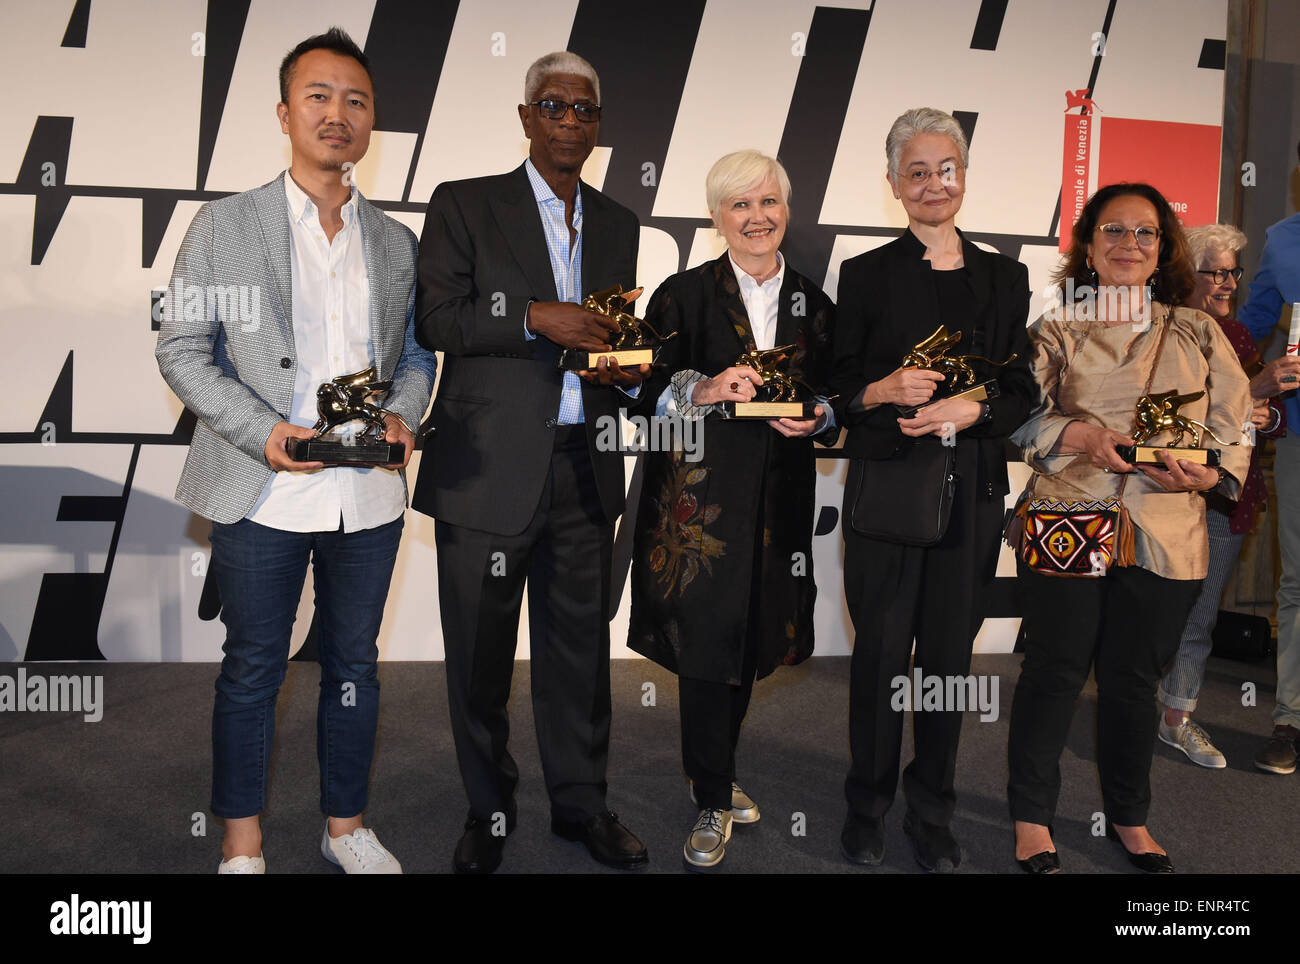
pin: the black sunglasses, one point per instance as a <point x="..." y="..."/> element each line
<point x="556" y="109"/>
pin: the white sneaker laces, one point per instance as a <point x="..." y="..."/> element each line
<point x="1195" y="734"/>
<point x="365" y="848"/>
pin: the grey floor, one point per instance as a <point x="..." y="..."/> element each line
<point x="127" y="794"/>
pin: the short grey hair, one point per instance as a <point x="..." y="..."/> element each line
<point x="742" y="171"/>
<point x="923" y="120"/>
<point x="559" y="62"/>
<point x="1206" y="241"/>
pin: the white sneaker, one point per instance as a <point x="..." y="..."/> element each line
<point x="360" y="852"/>
<point x="1192" y="739"/>
<point x="242" y="865"/>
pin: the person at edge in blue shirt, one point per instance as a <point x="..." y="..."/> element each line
<point x="1277" y="283"/>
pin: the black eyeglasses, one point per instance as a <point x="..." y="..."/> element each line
<point x="1220" y="275"/>
<point x="556" y="109"/>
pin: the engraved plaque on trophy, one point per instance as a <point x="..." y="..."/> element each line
<point x="339" y="401"/>
<point x="780" y="395"/>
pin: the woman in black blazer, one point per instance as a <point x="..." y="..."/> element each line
<point x="891" y="299"/>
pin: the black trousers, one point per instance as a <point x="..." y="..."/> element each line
<point x="564" y="554"/>
<point x="1128" y="624"/>
<point x="712" y="712"/>
<point x="711" y="717"/>
<point x="934" y="595"/>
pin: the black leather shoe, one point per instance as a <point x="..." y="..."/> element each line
<point x="934" y="847"/>
<point x="1148" y="863"/>
<point x="862" y="841"/>
<point x="607" y="840"/>
<point x="1044" y="862"/>
<point x="479" y="850"/>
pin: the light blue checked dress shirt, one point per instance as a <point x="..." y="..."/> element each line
<point x="566" y="267"/>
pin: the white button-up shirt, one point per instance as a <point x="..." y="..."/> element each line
<point x="761" y="304"/>
<point x="331" y="336"/>
<point x="761" y="301"/>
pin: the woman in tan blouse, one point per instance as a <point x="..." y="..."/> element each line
<point x="1093" y="359"/>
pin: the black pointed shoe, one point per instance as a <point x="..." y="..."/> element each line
<point x="1046" y="862"/>
<point x="1148" y="863"/>
<point x="1043" y="862"/>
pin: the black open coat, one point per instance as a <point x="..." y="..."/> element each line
<point x="887" y="304"/>
<point x="723" y="545"/>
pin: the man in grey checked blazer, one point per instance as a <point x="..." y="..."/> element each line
<point x="275" y="291"/>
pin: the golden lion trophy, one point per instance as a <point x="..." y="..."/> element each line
<point x="1157" y="414"/>
<point x="958" y="376"/>
<point x="634" y="343"/>
<point x="780" y="395"/>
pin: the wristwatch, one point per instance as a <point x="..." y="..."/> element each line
<point x="986" y="414"/>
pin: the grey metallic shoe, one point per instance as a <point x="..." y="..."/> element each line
<point x="1192" y="739"/>
<point x="707" y="843"/>
<point x="743" y="807"/>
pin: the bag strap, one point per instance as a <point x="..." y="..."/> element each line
<point x="1151" y="377"/>
<point x="1160" y="348"/>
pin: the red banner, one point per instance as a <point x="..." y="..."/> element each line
<point x="1180" y="160"/>
<point x="1074" y="172"/>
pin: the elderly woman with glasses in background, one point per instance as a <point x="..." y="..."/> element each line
<point x="1214" y="250"/>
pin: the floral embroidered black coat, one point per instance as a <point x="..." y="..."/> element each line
<point x="723" y="545"/>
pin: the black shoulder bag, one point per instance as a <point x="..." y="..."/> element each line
<point x="905" y="499"/>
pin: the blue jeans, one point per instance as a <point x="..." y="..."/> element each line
<point x="260" y="572"/>
<point x="1182" y="684"/>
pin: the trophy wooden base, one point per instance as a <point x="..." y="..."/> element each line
<point x="767" y="410"/>
<point x="578" y="360"/>
<point x="1146" y="454"/>
<point x="976" y="393"/>
<point x="364" y="453"/>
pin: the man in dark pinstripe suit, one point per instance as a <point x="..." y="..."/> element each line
<point x="276" y="291"/>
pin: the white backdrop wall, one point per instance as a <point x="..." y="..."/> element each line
<point x="128" y="115"/>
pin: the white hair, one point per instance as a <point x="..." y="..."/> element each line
<point x="1208" y="240"/>
<point x="739" y="172"/>
<point x="559" y="62"/>
<point x="923" y="120"/>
